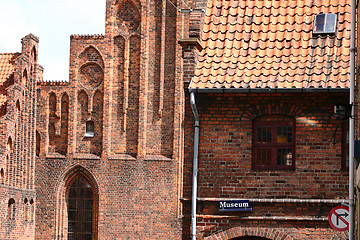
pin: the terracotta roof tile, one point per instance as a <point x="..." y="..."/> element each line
<point x="269" y="44"/>
<point x="6" y="65"/>
<point x="6" y="70"/>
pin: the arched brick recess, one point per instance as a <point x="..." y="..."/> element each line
<point x="38" y="143"/>
<point x="8" y="164"/>
<point x="66" y="180"/>
<point x="91" y="68"/>
<point x="33" y="55"/>
<point x="128" y="16"/>
<point x="64" y="124"/>
<point x="15" y="158"/>
<point x="271" y="233"/>
<point x="118" y="145"/>
<point x="83" y="115"/>
<point x="24" y="79"/>
<point x="53" y="122"/>
<point x="58" y="124"/>
<point x="133" y="96"/>
<point x="97" y="117"/>
<point x="91" y="54"/>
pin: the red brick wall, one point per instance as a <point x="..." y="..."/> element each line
<point x="17" y="146"/>
<point x="225" y="157"/>
<point x="133" y="160"/>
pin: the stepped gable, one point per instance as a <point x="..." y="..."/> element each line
<point x="6" y="71"/>
<point x="270" y="44"/>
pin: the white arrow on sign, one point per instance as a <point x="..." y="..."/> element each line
<point x="339" y="218"/>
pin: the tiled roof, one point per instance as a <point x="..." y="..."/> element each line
<point x="269" y="44"/>
<point x="6" y="69"/>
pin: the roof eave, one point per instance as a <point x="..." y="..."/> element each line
<point x="267" y="90"/>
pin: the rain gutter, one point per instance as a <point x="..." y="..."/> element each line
<point x="268" y="90"/>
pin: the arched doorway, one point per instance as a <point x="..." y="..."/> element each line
<point x="81" y="209"/>
<point x="77" y="207"/>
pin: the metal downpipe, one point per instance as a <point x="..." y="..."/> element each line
<point x="195" y="165"/>
<point x="352" y="123"/>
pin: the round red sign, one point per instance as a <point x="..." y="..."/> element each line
<point x="339" y="218"/>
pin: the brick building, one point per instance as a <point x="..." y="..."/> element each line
<point x="109" y="165"/>
<point x="114" y="145"/>
<point x="262" y="97"/>
<point x="19" y="73"/>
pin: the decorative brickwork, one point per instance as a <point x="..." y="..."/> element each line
<point x="118" y="109"/>
<point x="128" y="16"/>
<point x="17" y="140"/>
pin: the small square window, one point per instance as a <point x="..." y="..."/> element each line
<point x="89" y="129"/>
<point x="325" y="23"/>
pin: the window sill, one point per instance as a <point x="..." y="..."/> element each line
<point x="292" y="168"/>
<point x="87" y="156"/>
<point x="55" y="156"/>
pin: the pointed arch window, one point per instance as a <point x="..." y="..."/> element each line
<point x="81" y="217"/>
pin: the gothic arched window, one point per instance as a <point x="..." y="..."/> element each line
<point x="81" y="219"/>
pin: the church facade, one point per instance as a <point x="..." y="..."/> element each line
<point x="110" y="152"/>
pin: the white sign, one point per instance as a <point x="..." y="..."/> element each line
<point x="339" y="218"/>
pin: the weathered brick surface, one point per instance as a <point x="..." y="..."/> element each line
<point x="225" y="163"/>
<point x="124" y="82"/>
<point x="132" y="84"/>
<point x="17" y="146"/>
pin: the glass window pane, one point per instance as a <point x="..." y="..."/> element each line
<point x="330" y="23"/>
<point x="284" y="134"/>
<point x="284" y="157"/>
<point x="319" y="23"/>
<point x="263" y="156"/>
<point x="263" y="134"/>
<point x="89" y="129"/>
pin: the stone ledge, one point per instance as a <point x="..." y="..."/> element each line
<point x="86" y="156"/>
<point x="157" y="158"/>
<point x="286" y="218"/>
<point x="55" y="156"/>
<point x="272" y="200"/>
<point x="125" y="157"/>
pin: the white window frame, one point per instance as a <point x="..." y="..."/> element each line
<point x="326" y="22"/>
